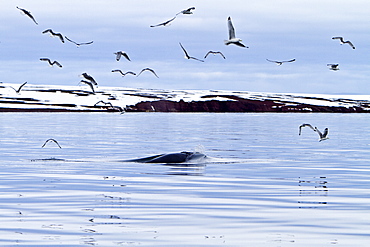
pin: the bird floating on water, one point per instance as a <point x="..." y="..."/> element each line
<point x="232" y="39"/>
<point x="186" y="11"/>
<point x="187" y="55"/>
<point x="51" y="63"/>
<point x="51" y="140"/>
<point x="214" y="52"/>
<point x="78" y="44"/>
<point x="166" y="23"/>
<point x="20" y="88"/>
<point x="342" y="41"/>
<point x="123" y="74"/>
<point x="323" y="136"/>
<point x="53" y="34"/>
<point x="90" y="78"/>
<point x="148" y="69"/>
<point x="280" y="62"/>
<point x="27" y="13"/>
<point x="121" y="53"/>
<point x="333" y="67"/>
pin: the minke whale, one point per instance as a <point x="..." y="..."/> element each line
<point x="170" y="158"/>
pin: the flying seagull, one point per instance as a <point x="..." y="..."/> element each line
<point x="186" y="11"/>
<point x="27" y="13"/>
<point x="323" y="136"/>
<point x="280" y="62"/>
<point x="232" y="39"/>
<point x="164" y="23"/>
<point x="344" y="42"/>
<point x="121" y="53"/>
<point x="333" y="66"/>
<point x="20" y="88"/>
<point x="187" y="55"/>
<point x="51" y="140"/>
<point x="123" y="74"/>
<point x="90" y="84"/>
<point x="52" y="34"/>
<point x="90" y="78"/>
<point x="78" y="44"/>
<point x="214" y="52"/>
<point x="148" y="69"/>
<point x="51" y="63"/>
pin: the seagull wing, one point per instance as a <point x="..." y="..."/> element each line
<point x="340" y="38"/>
<point x="130" y="72"/>
<point x="164" y="23"/>
<point x="58" y="64"/>
<point x="148" y="69"/>
<point x="288" y="61"/>
<point x="60" y="37"/>
<point x="305" y="125"/>
<point x="19" y="89"/>
<point x="326" y="132"/>
<point x="350" y="43"/>
<point x="186" y="54"/>
<point x="71" y="40"/>
<point x="126" y="56"/>
<point x="118" y="70"/>
<point x="272" y="61"/>
<point x="231" y="28"/>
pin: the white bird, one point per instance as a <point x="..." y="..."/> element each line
<point x="123" y="74"/>
<point x="187" y="55"/>
<point x="323" y="136"/>
<point x="333" y="66"/>
<point x="280" y="62"/>
<point x="51" y="140"/>
<point x="148" y="69"/>
<point x="51" y="63"/>
<point x="214" y="52"/>
<point x="232" y="39"/>
<point x="90" y="78"/>
<point x="20" y="87"/>
<point x="344" y="42"/>
<point x="121" y="53"/>
<point x="164" y="23"/>
<point x="78" y="44"/>
<point x="27" y="13"/>
<point x="186" y="11"/>
<point x="53" y="34"/>
<point x="90" y="84"/>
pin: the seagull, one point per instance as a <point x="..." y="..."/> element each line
<point x="28" y="13"/>
<point x="186" y="11"/>
<point x="333" y="66"/>
<point x="305" y="125"/>
<point x="148" y="69"/>
<point x="90" y="84"/>
<point x="52" y="34"/>
<point x="280" y="62"/>
<point x="51" y="63"/>
<point x="187" y="55"/>
<point x="232" y="39"/>
<point x="90" y="78"/>
<point x="51" y="140"/>
<point x="164" y="23"/>
<point x="78" y="44"/>
<point x="20" y="87"/>
<point x="214" y="52"/>
<point x="121" y="53"/>
<point x="123" y="74"/>
<point x="344" y="42"/>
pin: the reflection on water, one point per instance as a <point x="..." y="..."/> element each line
<point x="261" y="184"/>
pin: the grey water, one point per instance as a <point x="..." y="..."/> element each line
<point x="261" y="184"/>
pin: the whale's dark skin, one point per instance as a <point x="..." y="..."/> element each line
<point x="169" y="158"/>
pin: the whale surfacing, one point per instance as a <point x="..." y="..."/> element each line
<point x="170" y="158"/>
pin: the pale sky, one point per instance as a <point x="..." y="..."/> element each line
<point x="276" y="30"/>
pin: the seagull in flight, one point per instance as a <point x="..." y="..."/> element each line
<point x="90" y="78"/>
<point x="164" y="23"/>
<point x="27" y="13"/>
<point x="78" y="44"/>
<point x="280" y="62"/>
<point x="121" y="53"/>
<point x="323" y="136"/>
<point x="51" y="63"/>
<point x="214" y="52"/>
<point x="232" y="39"/>
<point x="186" y="11"/>
<point x="51" y="140"/>
<point x="90" y="84"/>
<point x="187" y="55"/>
<point x="52" y="34"/>
<point x="148" y="69"/>
<point x="333" y="67"/>
<point x="20" y="88"/>
<point x="123" y="74"/>
<point x="342" y="41"/>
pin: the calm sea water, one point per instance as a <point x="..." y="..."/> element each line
<point x="261" y="185"/>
